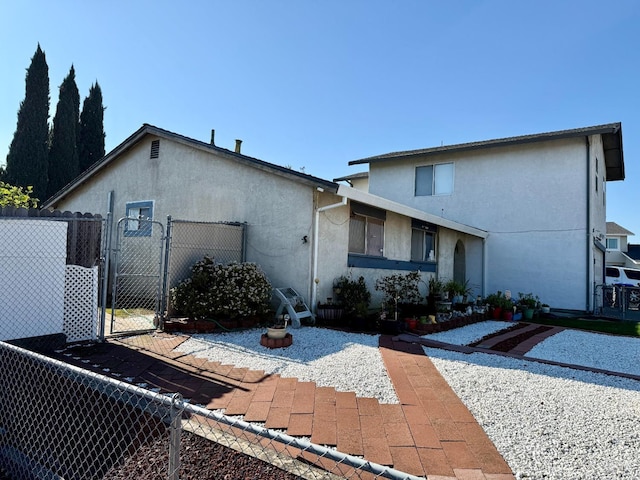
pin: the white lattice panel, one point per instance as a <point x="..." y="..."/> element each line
<point x="80" y="303"/>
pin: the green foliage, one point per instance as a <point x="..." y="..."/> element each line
<point x="400" y="288"/>
<point x="222" y="291"/>
<point x="498" y="300"/>
<point x="12" y="196"/>
<point x="453" y="288"/>
<point x="436" y="287"/>
<point x="91" y="134"/>
<point x="63" y="154"/>
<point x="528" y="300"/>
<point x="27" y="161"/>
<point x="353" y="295"/>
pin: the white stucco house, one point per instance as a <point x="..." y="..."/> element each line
<point x="540" y="198"/>
<point x="619" y="251"/>
<point x="302" y="230"/>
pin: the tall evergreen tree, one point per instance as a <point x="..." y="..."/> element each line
<point x="27" y="158"/>
<point x="63" y="154"/>
<point x="91" y="137"/>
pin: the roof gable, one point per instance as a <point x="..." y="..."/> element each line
<point x="611" y="140"/>
<point x="614" y="229"/>
<point x="146" y="129"/>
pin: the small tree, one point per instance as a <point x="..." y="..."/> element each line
<point x="399" y="288"/>
<point x="27" y="159"/>
<point x="12" y="196"/>
<point x="91" y="135"/>
<point x="63" y="155"/>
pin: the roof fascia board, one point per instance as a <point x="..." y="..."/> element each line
<point x="612" y="128"/>
<point x="383" y="203"/>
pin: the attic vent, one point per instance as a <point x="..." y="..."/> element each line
<point x="155" y="149"/>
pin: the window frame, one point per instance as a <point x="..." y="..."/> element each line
<point x="368" y="222"/>
<point x="433" y="190"/>
<point x="130" y="208"/>
<point x="613" y="239"/>
<point x="424" y="255"/>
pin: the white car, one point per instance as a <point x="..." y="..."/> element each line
<point x="622" y="276"/>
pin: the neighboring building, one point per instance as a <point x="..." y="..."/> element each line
<point x="619" y="251"/>
<point x="541" y="198"/>
<point x="302" y="230"/>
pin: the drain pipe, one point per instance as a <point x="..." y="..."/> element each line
<point x="316" y="236"/>
<point x="589" y="229"/>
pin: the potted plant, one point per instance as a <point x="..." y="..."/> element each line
<point x="528" y="303"/>
<point x="544" y="308"/>
<point x="457" y="291"/>
<point x="399" y="288"/>
<point x="354" y="297"/>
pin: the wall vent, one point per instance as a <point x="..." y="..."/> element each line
<point x="155" y="149"/>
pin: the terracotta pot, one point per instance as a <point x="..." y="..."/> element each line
<point x="496" y="313"/>
<point x="411" y="323"/>
<point x="507" y="315"/>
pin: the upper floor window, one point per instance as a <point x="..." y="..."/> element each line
<point x="139" y="216"/>
<point x="613" y="244"/>
<point x="434" y="179"/>
<point x="366" y="230"/>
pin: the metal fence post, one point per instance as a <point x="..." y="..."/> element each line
<point x="105" y="276"/>
<point x="165" y="272"/>
<point x="175" y="431"/>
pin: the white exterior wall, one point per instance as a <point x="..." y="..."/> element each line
<point x="190" y="184"/>
<point x="532" y="200"/>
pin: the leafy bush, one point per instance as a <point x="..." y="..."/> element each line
<point x="353" y="295"/>
<point x="222" y="291"/>
<point x="11" y="196"/>
<point x="400" y="288"/>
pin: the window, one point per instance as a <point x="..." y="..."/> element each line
<point x="138" y="223"/>
<point x="422" y="246"/>
<point x="632" y="274"/>
<point x="366" y="230"/>
<point x="423" y="241"/>
<point x="434" y="180"/>
<point x="613" y="244"/>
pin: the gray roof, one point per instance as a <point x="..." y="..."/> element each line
<point x="611" y="138"/>
<point x="147" y="129"/>
<point x="614" y="229"/>
<point x="355" y="176"/>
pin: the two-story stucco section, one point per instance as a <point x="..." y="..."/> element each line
<point x="541" y="198"/>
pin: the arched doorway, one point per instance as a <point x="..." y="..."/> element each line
<point x="459" y="263"/>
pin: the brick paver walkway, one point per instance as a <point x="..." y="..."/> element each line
<point x="430" y="433"/>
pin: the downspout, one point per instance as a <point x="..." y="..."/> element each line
<point x="485" y="270"/>
<point x="589" y="228"/>
<point x="316" y="236"/>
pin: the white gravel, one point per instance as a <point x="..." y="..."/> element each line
<point x="350" y="362"/>
<point x="551" y="422"/>
<point x="608" y="352"/>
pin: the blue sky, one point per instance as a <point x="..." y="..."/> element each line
<point x="315" y="84"/>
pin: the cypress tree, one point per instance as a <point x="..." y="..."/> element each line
<point x="91" y="136"/>
<point x="63" y="154"/>
<point x="27" y="158"/>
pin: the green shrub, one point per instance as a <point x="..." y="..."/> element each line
<point x="353" y="295"/>
<point x="222" y="291"/>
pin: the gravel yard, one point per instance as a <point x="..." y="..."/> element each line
<point x="548" y="422"/>
<point x="551" y="422"/>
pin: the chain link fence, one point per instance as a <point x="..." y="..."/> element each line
<point x="618" y="301"/>
<point x="61" y="421"/>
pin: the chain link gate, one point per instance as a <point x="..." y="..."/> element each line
<point x="137" y="279"/>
